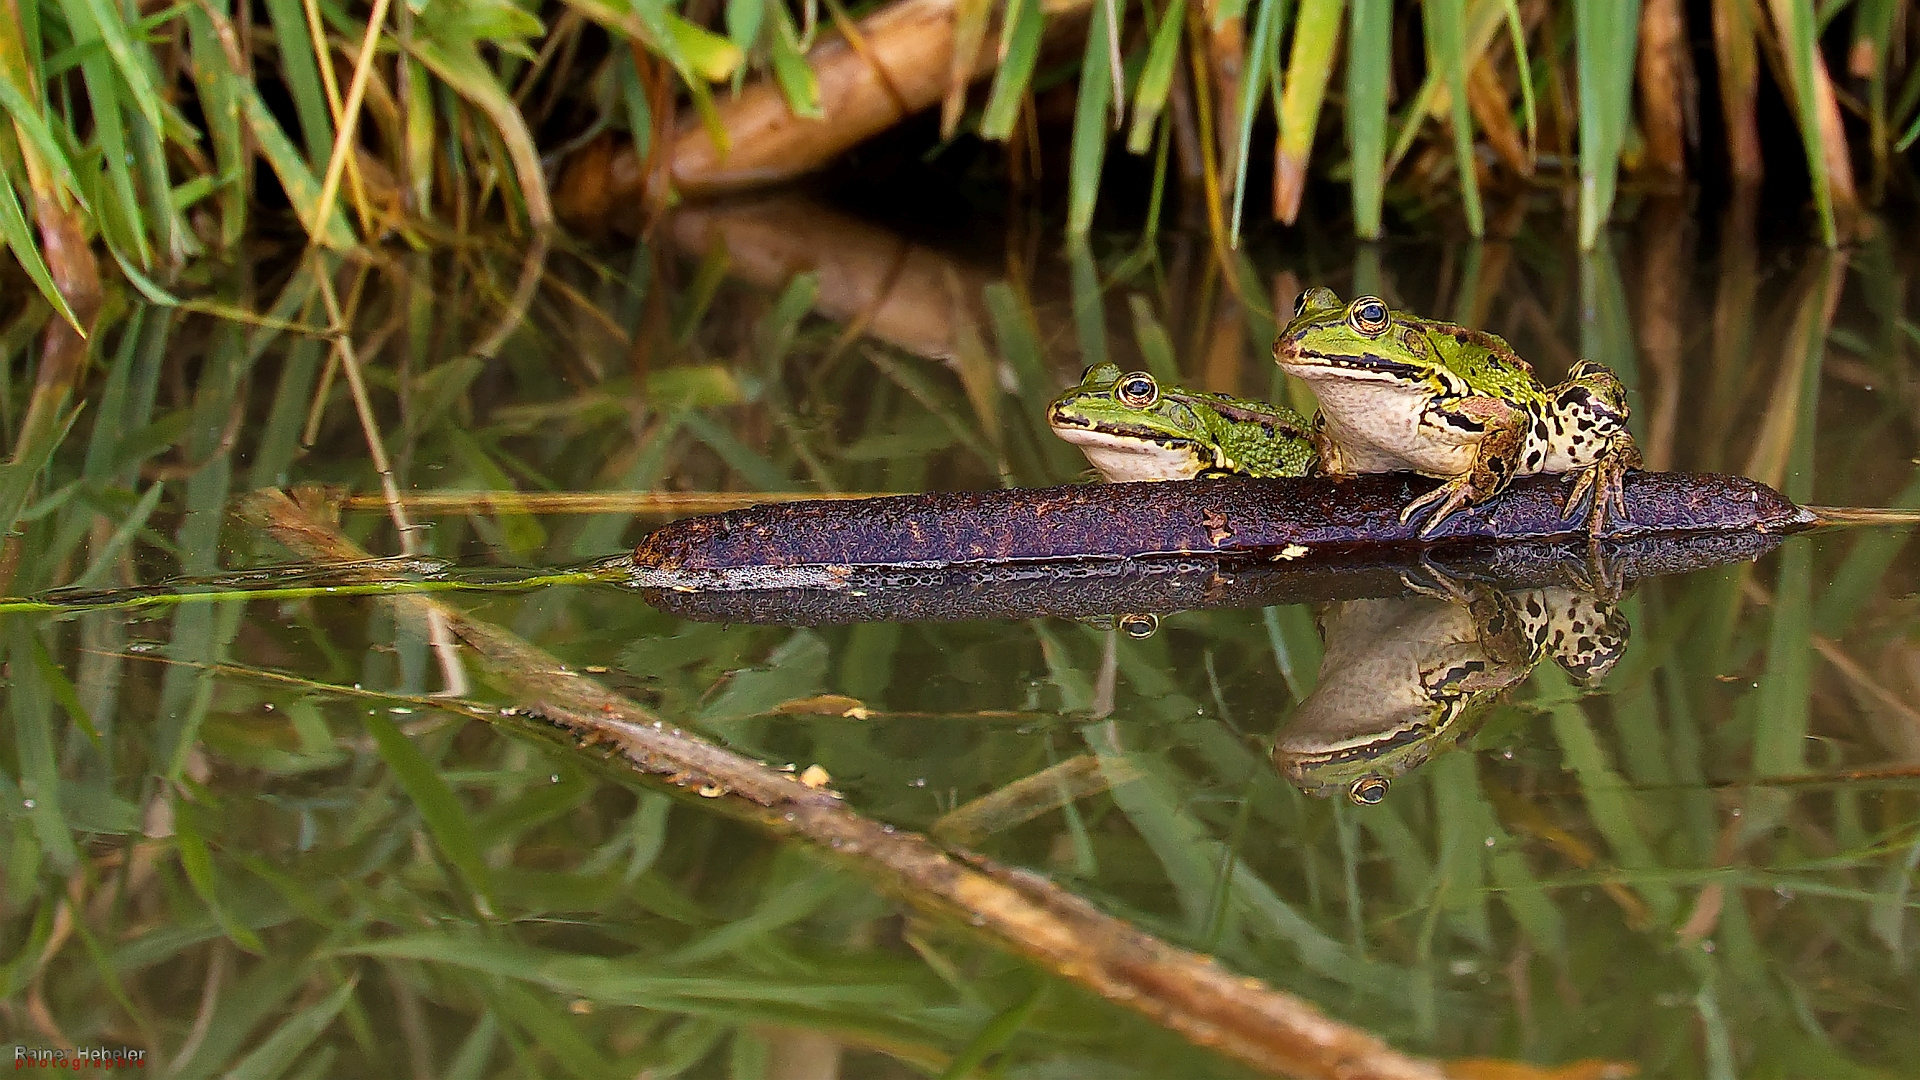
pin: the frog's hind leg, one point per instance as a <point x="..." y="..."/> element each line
<point x="1494" y="458"/>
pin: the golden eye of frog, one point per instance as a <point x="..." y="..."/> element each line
<point x="1133" y="428"/>
<point x="1398" y="392"/>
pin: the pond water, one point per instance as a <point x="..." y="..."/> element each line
<point x="223" y="814"/>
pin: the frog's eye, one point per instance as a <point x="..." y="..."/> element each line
<point x="1300" y="304"/>
<point x="1139" y="626"/>
<point x="1087" y="371"/>
<point x="1368" y="316"/>
<point x="1138" y="390"/>
<point x="1369" y="790"/>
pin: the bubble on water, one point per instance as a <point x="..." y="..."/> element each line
<point x="28" y="803"/>
<point x="918" y="781"/>
<point x="1489" y="841"/>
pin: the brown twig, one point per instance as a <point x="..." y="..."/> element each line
<point x="1185" y="992"/>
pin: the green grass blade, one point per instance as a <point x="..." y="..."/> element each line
<point x="1265" y="42"/>
<point x="62" y="688"/>
<point x="790" y="67"/>
<point x="1089" y="307"/>
<point x="995" y="1034"/>
<point x="119" y="213"/>
<point x="297" y="67"/>
<point x="1447" y="45"/>
<point x="1606" y="39"/>
<point x="1152" y="339"/>
<point x="1019" y="49"/>
<point x="1156" y="79"/>
<point x="30" y="710"/>
<point x="281" y="1049"/>
<point x="1315" y="33"/>
<point x="744" y="19"/>
<point x="19" y="237"/>
<point x="1089" y="126"/>
<point x="296" y="179"/>
<point x="1799" y="44"/>
<point x="1517" y="30"/>
<point x="462" y="68"/>
<point x="1369" y="69"/>
<point x="196" y="861"/>
<point x="222" y="93"/>
<point x="33" y="126"/>
<point x="710" y="56"/>
<point x="445" y="818"/>
<point x="100" y="18"/>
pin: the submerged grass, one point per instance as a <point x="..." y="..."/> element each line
<point x="216" y="845"/>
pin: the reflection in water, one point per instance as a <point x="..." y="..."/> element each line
<point x="232" y="822"/>
<point x="1151" y="587"/>
<point x="1404" y="678"/>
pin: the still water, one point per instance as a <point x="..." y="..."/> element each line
<point x="1695" y="853"/>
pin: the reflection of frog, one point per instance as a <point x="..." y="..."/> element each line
<point x="1400" y="392"/>
<point x="1404" y="678"/>
<point x="1132" y="428"/>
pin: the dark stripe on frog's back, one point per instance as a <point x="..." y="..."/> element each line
<point x="1132" y="431"/>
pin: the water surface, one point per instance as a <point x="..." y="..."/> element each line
<point x="1702" y="863"/>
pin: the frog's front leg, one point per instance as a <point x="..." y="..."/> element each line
<point x="1503" y="427"/>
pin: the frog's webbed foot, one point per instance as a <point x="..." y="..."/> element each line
<point x="1427" y="579"/>
<point x="1450" y="496"/>
<point x="1599" y="575"/>
<point x="1605" y="482"/>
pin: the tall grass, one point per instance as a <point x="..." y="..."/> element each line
<point x="153" y="131"/>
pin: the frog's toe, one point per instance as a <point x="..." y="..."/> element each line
<point x="1415" y="506"/>
<point x="1577" y="495"/>
<point x="1454" y="501"/>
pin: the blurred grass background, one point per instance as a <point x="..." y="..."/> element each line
<point x="156" y="132"/>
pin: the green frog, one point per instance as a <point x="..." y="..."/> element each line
<point x="1132" y="428"/>
<point x="1404" y="678"/>
<point x="1401" y="392"/>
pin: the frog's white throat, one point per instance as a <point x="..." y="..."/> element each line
<point x="1124" y="458"/>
